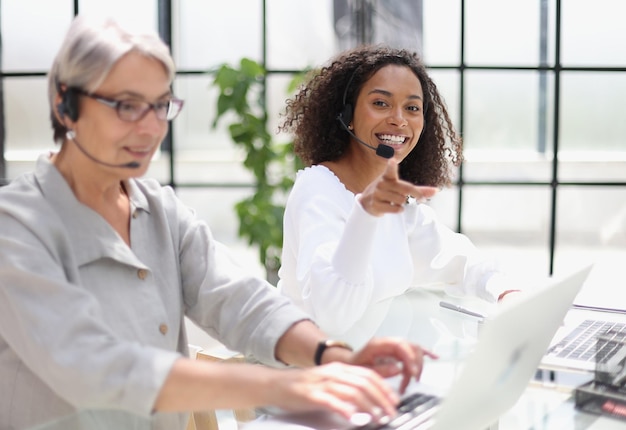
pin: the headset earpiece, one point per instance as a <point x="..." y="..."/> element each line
<point x="69" y="104"/>
<point x="61" y="110"/>
<point x="346" y="114"/>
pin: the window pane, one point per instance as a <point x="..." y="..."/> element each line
<point x="138" y="15"/>
<point x="300" y="33"/>
<point x="508" y="121"/>
<point x="27" y="122"/>
<point x="204" y="154"/>
<point x="207" y="33"/>
<point x="30" y="40"/>
<point x="592" y="126"/>
<point x="593" y="33"/>
<point x="442" y="32"/>
<point x="507" y="32"/>
<point x="510" y="223"/>
<point x="396" y="23"/>
<point x="592" y="229"/>
<point x="448" y="83"/>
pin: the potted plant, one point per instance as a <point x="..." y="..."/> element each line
<point x="273" y="165"/>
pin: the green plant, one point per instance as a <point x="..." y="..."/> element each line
<point x="242" y="93"/>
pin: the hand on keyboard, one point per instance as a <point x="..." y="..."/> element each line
<point x="410" y="408"/>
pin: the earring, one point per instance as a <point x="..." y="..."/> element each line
<point x="350" y="127"/>
<point x="70" y="134"/>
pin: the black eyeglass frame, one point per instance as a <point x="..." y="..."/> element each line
<point x="174" y="106"/>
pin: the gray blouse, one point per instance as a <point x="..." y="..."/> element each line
<point x="89" y="325"/>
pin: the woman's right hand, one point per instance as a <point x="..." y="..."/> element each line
<point x="388" y="193"/>
<point x="337" y="387"/>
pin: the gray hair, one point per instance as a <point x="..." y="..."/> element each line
<point x="89" y="52"/>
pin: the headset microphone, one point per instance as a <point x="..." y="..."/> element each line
<point x="382" y="150"/>
<point x="72" y="136"/>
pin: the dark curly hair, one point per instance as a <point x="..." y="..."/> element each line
<point x="311" y="115"/>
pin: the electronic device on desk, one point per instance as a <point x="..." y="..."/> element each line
<point x="510" y="346"/>
<point x="606" y="394"/>
<point x="576" y="348"/>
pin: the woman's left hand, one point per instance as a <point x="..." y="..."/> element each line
<point x="391" y="356"/>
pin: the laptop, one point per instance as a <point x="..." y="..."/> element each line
<point x="585" y="339"/>
<point x="582" y="340"/>
<point x="509" y="348"/>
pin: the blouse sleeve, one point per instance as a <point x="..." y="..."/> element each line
<point x="242" y="311"/>
<point x="330" y="238"/>
<point x="442" y="257"/>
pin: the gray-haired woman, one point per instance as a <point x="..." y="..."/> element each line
<point x="98" y="269"/>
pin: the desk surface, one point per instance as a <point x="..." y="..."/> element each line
<point x="543" y="406"/>
<point x="452" y="335"/>
<point x="551" y="408"/>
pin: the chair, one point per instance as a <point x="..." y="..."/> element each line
<point x="207" y="420"/>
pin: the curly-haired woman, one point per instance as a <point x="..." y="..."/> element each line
<point x="377" y="141"/>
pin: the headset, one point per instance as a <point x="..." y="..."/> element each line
<point x="69" y="103"/>
<point x="345" y="118"/>
<point x="69" y="107"/>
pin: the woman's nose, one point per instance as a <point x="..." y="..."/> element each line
<point x="396" y="117"/>
<point x="151" y="124"/>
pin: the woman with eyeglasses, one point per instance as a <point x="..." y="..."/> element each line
<point x="98" y="269"/>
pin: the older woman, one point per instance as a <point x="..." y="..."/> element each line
<point x="98" y="269"/>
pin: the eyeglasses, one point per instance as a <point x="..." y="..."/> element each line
<point x="134" y="110"/>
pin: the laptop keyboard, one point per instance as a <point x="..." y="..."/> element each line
<point x="582" y="342"/>
<point x="410" y="408"/>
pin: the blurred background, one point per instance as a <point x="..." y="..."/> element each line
<point x="536" y="88"/>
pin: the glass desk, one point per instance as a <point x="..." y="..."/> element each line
<point x="543" y="405"/>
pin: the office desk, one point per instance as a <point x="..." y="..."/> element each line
<point x="452" y="335"/>
<point x="539" y="408"/>
<point x="543" y="405"/>
<point x="552" y="408"/>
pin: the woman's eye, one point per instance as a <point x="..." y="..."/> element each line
<point x="130" y="106"/>
<point x="164" y="105"/>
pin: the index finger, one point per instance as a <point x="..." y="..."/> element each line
<point x="408" y="358"/>
<point x="412" y="368"/>
<point x="391" y="172"/>
<point x="422" y="192"/>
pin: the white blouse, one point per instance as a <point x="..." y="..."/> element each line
<point x="343" y="266"/>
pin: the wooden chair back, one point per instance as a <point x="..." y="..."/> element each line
<point x="207" y="420"/>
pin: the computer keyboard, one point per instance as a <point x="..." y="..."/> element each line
<point x="413" y="409"/>
<point x="582" y="343"/>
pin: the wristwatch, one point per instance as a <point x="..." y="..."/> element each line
<point x="325" y="344"/>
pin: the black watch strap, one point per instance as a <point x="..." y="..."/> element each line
<point x="324" y="345"/>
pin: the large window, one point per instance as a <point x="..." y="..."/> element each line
<point x="535" y="87"/>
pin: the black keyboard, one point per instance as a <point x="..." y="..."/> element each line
<point x="410" y="407"/>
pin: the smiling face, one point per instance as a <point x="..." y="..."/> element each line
<point x="135" y="77"/>
<point x="389" y="111"/>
